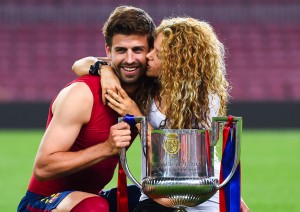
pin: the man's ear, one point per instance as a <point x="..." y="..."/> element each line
<point x="108" y="50"/>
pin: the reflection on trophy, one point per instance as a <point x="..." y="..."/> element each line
<point x="180" y="163"/>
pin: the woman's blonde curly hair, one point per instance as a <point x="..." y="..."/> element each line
<point x="192" y="69"/>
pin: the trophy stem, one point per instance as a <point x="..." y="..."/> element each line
<point x="180" y="209"/>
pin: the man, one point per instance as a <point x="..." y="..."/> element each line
<point x="79" y="150"/>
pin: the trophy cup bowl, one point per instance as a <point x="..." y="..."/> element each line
<point x="179" y="192"/>
<point x="180" y="164"/>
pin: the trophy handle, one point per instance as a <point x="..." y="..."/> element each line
<point x="216" y="121"/>
<point x="137" y="119"/>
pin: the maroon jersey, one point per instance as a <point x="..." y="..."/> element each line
<point x="94" y="178"/>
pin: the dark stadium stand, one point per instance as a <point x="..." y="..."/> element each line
<point x="40" y="40"/>
<point x="263" y="61"/>
<point x="41" y="57"/>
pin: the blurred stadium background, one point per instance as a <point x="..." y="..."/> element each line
<point x="41" y="39"/>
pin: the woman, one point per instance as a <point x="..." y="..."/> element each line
<point x="191" y="88"/>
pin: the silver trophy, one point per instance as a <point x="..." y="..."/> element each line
<point x="180" y="163"/>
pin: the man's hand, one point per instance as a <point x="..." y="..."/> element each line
<point x="119" y="137"/>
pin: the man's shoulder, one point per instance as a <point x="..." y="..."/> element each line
<point x="81" y="89"/>
<point x="76" y="90"/>
<point x="88" y="78"/>
<point x="75" y="98"/>
<point x="91" y="81"/>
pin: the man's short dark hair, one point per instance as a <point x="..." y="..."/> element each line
<point x="128" y="20"/>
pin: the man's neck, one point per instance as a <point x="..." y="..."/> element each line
<point x="130" y="89"/>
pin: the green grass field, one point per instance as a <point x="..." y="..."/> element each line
<point x="270" y="168"/>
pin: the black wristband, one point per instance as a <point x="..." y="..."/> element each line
<point x="94" y="68"/>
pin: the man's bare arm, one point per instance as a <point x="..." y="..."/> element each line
<point x="54" y="158"/>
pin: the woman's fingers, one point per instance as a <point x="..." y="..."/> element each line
<point x="115" y="102"/>
<point x="114" y="96"/>
<point x="114" y="107"/>
<point x="112" y="100"/>
<point x="121" y="102"/>
<point x="121" y="92"/>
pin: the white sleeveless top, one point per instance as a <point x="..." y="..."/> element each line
<point x="155" y="118"/>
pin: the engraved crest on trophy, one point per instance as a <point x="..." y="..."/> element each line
<point x="171" y="143"/>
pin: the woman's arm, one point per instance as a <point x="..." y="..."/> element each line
<point x="81" y="67"/>
<point x="109" y="79"/>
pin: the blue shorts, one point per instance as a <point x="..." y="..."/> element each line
<point x="35" y="202"/>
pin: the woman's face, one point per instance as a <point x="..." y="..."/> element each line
<point x="154" y="60"/>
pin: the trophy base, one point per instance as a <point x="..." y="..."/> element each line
<point x="178" y="192"/>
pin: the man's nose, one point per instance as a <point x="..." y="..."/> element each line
<point x="130" y="57"/>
